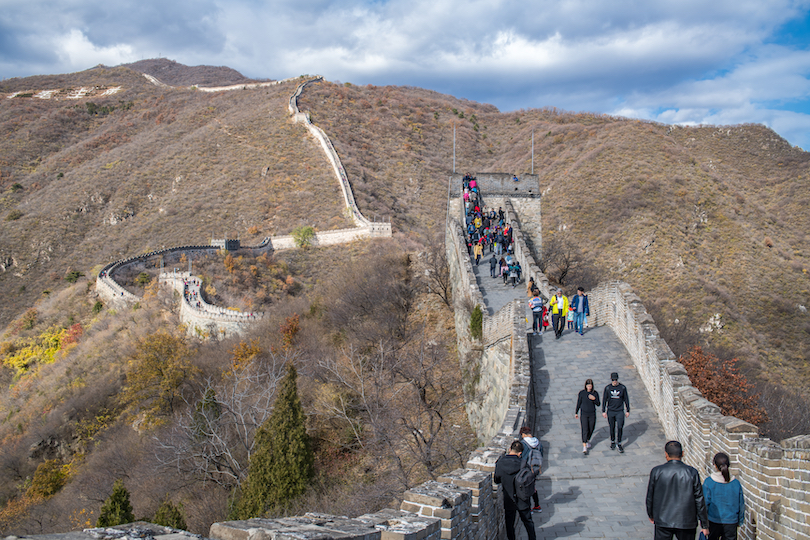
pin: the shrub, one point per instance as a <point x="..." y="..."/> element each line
<point x="98" y="306"/>
<point x="170" y="515"/>
<point x="303" y="236"/>
<point x="721" y="383"/>
<point x="117" y="509"/>
<point x="477" y="322"/>
<point x="73" y="277"/>
<point x="49" y="478"/>
<point x="14" y="215"/>
<point x="143" y="279"/>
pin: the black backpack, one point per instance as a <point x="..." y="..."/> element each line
<point x="524" y="483"/>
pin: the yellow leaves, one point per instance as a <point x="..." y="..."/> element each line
<point x="23" y="353"/>
<point x="158" y="371"/>
<point x="244" y="353"/>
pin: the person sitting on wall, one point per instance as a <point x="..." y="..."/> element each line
<point x="515" y="178"/>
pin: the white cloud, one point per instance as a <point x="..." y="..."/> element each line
<point x="77" y="52"/>
<point x="684" y="61"/>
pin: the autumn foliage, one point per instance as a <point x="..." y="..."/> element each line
<point x="721" y="382"/>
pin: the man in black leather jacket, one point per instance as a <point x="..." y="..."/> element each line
<point x="675" y="498"/>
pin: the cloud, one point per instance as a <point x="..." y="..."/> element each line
<point x="76" y="52"/>
<point x="686" y="61"/>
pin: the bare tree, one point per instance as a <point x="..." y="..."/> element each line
<point x="401" y="406"/>
<point x="214" y="438"/>
<point x="437" y="270"/>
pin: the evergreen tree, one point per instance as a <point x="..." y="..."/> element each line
<point x="170" y="515"/>
<point x="281" y="463"/>
<point x="117" y="509"/>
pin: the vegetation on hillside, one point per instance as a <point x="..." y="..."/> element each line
<point x="135" y="398"/>
<point x="708" y="224"/>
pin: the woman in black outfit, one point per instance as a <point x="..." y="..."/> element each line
<point x="587" y="402"/>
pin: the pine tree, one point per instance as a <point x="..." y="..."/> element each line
<point x="282" y="459"/>
<point x="170" y="515"/>
<point x="117" y="509"/>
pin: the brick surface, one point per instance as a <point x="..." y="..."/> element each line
<point x="599" y="495"/>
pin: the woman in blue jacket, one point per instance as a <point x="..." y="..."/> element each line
<point x="724" y="500"/>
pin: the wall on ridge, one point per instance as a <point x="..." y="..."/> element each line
<point x="463" y="504"/>
<point x="775" y="476"/>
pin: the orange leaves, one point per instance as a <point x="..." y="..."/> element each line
<point x="721" y="382"/>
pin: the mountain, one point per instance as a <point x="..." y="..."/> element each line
<point x="708" y="224"/>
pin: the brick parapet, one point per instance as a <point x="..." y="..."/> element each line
<point x="774" y="475"/>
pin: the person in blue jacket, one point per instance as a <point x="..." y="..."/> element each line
<point x="724" y="500"/>
<point x="579" y="305"/>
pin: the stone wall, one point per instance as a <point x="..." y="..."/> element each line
<point x="208" y="320"/>
<point x="378" y="229"/>
<point x="775" y="476"/>
<point x="528" y="185"/>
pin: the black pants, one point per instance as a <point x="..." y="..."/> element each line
<point x="667" y="533"/>
<point x="509" y="511"/>
<point x="587" y="423"/>
<point x="537" y="321"/>
<point x="726" y="531"/>
<point x="558" y="321"/>
<point x="616" y="422"/>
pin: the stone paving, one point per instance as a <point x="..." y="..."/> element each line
<point x="602" y="494"/>
<point x="496" y="294"/>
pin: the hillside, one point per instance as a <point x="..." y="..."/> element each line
<point x="102" y="164"/>
<point x="708" y="224"/>
<point x="89" y="180"/>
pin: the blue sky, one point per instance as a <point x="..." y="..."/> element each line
<point x="688" y="62"/>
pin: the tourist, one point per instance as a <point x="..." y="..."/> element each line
<point x="559" y="308"/>
<point x="614" y="401"/>
<point x="675" y="500"/>
<point x="532" y="456"/>
<point x="587" y="402"/>
<point x="536" y="305"/>
<point x="506" y="468"/>
<point x="493" y="264"/>
<point x="478" y="251"/>
<point x="724" y="501"/>
<point x="579" y="305"/>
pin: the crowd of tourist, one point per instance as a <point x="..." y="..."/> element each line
<point x="488" y="233"/>
<point x="677" y="504"/>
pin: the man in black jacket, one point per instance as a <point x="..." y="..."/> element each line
<point x="614" y="400"/>
<point x="506" y="468"/>
<point x="675" y="498"/>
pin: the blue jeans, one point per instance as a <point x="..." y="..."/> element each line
<point x="579" y="322"/>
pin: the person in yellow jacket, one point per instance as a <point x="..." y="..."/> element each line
<point x="478" y="251"/>
<point x="559" y="309"/>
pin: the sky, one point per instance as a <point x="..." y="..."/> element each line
<point x="688" y="62"/>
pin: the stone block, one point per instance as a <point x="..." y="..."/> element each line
<point x="399" y="525"/>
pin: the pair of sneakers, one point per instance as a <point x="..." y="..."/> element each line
<point x="614" y="446"/>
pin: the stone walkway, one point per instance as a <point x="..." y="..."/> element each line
<point x="602" y="494"/>
<point x="496" y="294"/>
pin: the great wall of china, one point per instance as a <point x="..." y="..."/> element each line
<point x="213" y="321"/>
<point x="464" y="504"/>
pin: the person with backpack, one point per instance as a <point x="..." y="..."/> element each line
<point x="536" y="304"/>
<point x="518" y="485"/>
<point x="533" y="457"/>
